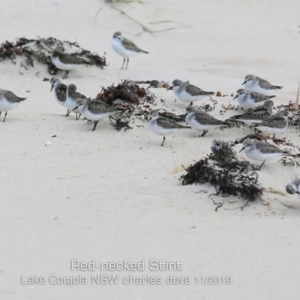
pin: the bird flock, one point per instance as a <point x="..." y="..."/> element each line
<point x="255" y="97"/>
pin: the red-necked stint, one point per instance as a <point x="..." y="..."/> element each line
<point x="125" y="47"/>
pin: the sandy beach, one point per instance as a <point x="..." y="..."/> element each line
<point x="113" y="196"/>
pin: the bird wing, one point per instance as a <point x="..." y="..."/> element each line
<point x="274" y="121"/>
<point x="98" y="107"/>
<point x="195" y="91"/>
<point x="206" y="119"/>
<point x="260" y="97"/>
<point x="132" y="46"/>
<point x="169" y="124"/>
<point x="10" y="96"/>
<point x="259" y="113"/>
<point x="267" y="148"/>
<point x="72" y="58"/>
<point x="79" y="96"/>
<point x="267" y="85"/>
<point x="61" y="93"/>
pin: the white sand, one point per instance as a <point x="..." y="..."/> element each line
<point x="111" y="196"/>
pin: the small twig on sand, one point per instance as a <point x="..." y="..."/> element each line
<point x="112" y="5"/>
<point x="297" y="99"/>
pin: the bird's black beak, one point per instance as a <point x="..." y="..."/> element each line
<point x="244" y="82"/>
<point x="241" y="149"/>
<point x="235" y="97"/>
<point x="51" y="88"/>
<point x="170" y="88"/>
<point x="75" y="108"/>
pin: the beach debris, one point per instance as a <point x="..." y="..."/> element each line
<point x="225" y="108"/>
<point x="40" y="50"/>
<point x="229" y="176"/>
<point x="131" y="99"/>
<point x="48" y="143"/>
<point x="120" y="122"/>
<point x="134" y="102"/>
<point x="114" y="4"/>
<point x="289" y="161"/>
<point x="155" y="84"/>
<point x="126" y="91"/>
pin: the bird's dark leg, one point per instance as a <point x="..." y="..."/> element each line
<point x="274" y="136"/>
<point x="123" y="63"/>
<point x="77" y="118"/>
<point x="261" y="166"/>
<point x="5" y="116"/>
<point x="95" y="122"/>
<point x="127" y="63"/>
<point x="68" y="113"/>
<point x="163" y="141"/>
<point x="66" y="74"/>
<point x="204" y="132"/>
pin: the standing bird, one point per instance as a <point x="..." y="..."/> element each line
<point x="293" y="187"/>
<point x="259" y="85"/>
<point x="163" y="126"/>
<point x="275" y="124"/>
<point x="256" y="115"/>
<point x="201" y="120"/>
<point x="72" y="98"/>
<point x="67" y="61"/>
<point x="187" y="92"/>
<point x="125" y="47"/>
<point x="8" y="101"/>
<point x="258" y="150"/>
<point x="60" y="92"/>
<point x="250" y="99"/>
<point x="94" y="110"/>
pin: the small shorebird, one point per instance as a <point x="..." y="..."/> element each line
<point x="94" y="110"/>
<point x="293" y="187"/>
<point x="67" y="61"/>
<point x="250" y="99"/>
<point x="187" y="92"/>
<point x="8" y="101"/>
<point x="154" y="84"/>
<point x="60" y="92"/>
<point x="201" y="120"/>
<point x="259" y="85"/>
<point x="163" y="126"/>
<point x="275" y="124"/>
<point x="72" y="98"/>
<point x="125" y="47"/>
<point x="256" y="115"/>
<point x="261" y="151"/>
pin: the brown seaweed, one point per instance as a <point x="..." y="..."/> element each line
<point x="126" y="91"/>
<point x="40" y="50"/>
<point x="226" y="173"/>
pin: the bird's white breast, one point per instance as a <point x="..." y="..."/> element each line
<point x="121" y="50"/>
<point x="255" y="154"/>
<point x="6" y="105"/>
<point x="56" y="61"/>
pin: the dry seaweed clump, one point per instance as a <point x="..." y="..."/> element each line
<point x="226" y="173"/>
<point x="41" y="50"/>
<point x="128" y="92"/>
<point x="130" y="98"/>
